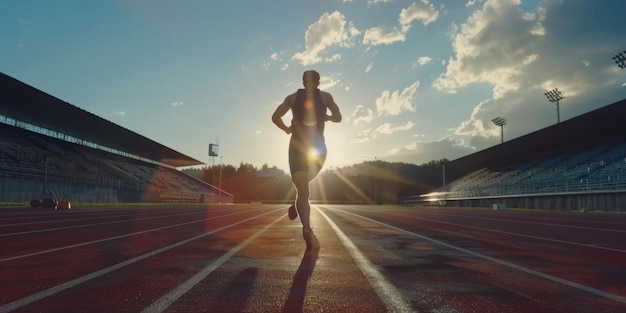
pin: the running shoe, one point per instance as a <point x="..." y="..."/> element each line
<point x="310" y="239"/>
<point x="293" y="213"/>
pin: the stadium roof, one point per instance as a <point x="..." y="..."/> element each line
<point x="595" y="127"/>
<point x="24" y="103"/>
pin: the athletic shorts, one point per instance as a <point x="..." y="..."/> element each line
<point x="307" y="158"/>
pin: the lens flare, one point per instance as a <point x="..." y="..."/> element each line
<point x="308" y="104"/>
<point x="313" y="154"/>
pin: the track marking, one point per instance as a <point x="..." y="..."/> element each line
<point x="83" y="225"/>
<point x="164" y="302"/>
<point x="77" y="281"/>
<point x="102" y="223"/>
<point x="595" y="246"/>
<point x="543" y="219"/>
<point x="526" y="270"/>
<point x="114" y="237"/>
<point x="46" y="219"/>
<point x="534" y="223"/>
<point x="385" y="290"/>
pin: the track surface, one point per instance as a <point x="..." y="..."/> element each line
<point x="251" y="258"/>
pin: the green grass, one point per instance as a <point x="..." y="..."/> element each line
<point x="13" y="204"/>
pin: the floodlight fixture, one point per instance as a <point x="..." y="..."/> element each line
<point x="555" y="96"/>
<point x="620" y="59"/>
<point x="499" y="121"/>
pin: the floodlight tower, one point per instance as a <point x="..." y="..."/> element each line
<point x="500" y="122"/>
<point x="620" y="59"/>
<point x="555" y="96"/>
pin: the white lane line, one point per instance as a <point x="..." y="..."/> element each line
<point x="164" y="302"/>
<point x="112" y="238"/>
<point x="385" y="290"/>
<point x="79" y="226"/>
<point x="99" y="224"/>
<point x="45" y="219"/>
<point x="595" y="246"/>
<point x="559" y="280"/>
<point x="77" y="281"/>
<point x="547" y="221"/>
<point x="75" y="217"/>
<point x="536" y="223"/>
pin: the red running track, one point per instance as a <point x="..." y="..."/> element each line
<point x="251" y="258"/>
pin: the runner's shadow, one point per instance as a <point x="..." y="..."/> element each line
<point x="235" y="294"/>
<point x="295" y="300"/>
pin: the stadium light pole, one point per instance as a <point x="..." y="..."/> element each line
<point x="620" y="59"/>
<point x="555" y="96"/>
<point x="500" y="122"/>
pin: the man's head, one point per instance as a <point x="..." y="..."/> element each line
<point x="311" y="79"/>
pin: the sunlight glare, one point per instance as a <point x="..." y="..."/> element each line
<point x="313" y="154"/>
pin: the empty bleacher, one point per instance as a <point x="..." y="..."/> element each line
<point x="600" y="168"/>
<point x="33" y="166"/>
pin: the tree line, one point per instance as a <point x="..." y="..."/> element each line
<point x="368" y="182"/>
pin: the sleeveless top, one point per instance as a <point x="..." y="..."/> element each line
<point x="309" y="115"/>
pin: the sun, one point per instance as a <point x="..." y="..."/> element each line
<point x="312" y="154"/>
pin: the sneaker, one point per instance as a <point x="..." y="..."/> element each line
<point x="310" y="239"/>
<point x="293" y="213"/>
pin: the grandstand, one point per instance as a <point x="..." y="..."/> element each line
<point x="578" y="164"/>
<point x="52" y="149"/>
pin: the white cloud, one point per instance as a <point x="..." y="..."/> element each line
<point x="423" y="11"/>
<point x="539" y="18"/>
<point x="387" y="129"/>
<point x="329" y="31"/>
<point x="424" y="60"/>
<point x="521" y="55"/>
<point x="176" y="104"/>
<point x="379" y="36"/>
<point x="363" y="136"/>
<point x="368" y="134"/>
<point x="393" y="103"/>
<point x="328" y="81"/>
<point x="120" y="113"/>
<point x="421" y="152"/>
<point x="491" y="47"/>
<point x="475" y="126"/>
<point x="369" y="67"/>
<point x="362" y="114"/>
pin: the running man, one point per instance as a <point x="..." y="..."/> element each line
<point x="307" y="148"/>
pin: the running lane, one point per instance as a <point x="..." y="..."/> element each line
<point x="251" y="258"/>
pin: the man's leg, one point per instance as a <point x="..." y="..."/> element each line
<point x="301" y="182"/>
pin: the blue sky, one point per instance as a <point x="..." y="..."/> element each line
<point x="415" y="80"/>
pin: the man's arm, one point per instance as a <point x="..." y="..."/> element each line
<point x="277" y="117"/>
<point x="335" y="115"/>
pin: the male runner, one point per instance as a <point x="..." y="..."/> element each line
<point x="307" y="148"/>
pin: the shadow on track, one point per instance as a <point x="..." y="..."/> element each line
<point x="297" y="293"/>
<point x="233" y="296"/>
